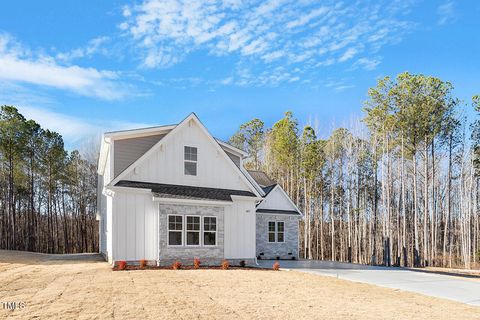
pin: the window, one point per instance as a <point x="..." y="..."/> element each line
<point x="276" y="231"/>
<point x="271" y="231"/>
<point x="175" y="230"/>
<point x="209" y="231"/>
<point x="193" y="231"/>
<point x="190" y="163"/>
<point x="280" y="231"/>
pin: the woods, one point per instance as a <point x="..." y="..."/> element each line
<point x="47" y="195"/>
<point x="399" y="187"/>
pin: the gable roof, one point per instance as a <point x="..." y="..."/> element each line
<point x="268" y="189"/>
<point x="161" y="190"/>
<point x="261" y="178"/>
<point x="124" y="134"/>
<point x="231" y="148"/>
<point x="184" y="122"/>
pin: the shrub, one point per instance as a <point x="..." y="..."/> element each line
<point x="276" y="266"/>
<point x="225" y="265"/>
<point x="122" y="265"/>
<point x="177" y="265"/>
<point x="242" y="263"/>
<point x="143" y="263"/>
<point x="196" y="263"/>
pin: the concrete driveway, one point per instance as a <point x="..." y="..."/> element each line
<point x="430" y="284"/>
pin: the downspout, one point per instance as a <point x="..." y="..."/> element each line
<point x="255" y="258"/>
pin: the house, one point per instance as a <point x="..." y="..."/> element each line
<point x="175" y="193"/>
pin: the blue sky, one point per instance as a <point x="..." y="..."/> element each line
<point x="83" y="69"/>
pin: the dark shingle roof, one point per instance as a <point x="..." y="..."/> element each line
<point x="261" y="178"/>
<point x="185" y="192"/>
<point x="268" y="189"/>
<point x="292" y="212"/>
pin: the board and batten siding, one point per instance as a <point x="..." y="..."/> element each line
<point x="127" y="151"/>
<point x="135" y="226"/>
<point x="239" y="238"/>
<point x="166" y="164"/>
<point x="276" y="199"/>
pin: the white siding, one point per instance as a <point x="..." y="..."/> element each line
<point x="276" y="199"/>
<point x="166" y="164"/>
<point x="240" y="230"/>
<point x="109" y="229"/>
<point x="135" y="226"/>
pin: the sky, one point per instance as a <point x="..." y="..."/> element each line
<point x="86" y="67"/>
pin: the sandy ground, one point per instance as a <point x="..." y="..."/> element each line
<point x="73" y="289"/>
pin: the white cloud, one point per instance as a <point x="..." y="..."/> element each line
<point x="93" y="46"/>
<point x="349" y="54"/>
<point x="75" y="130"/>
<point x="368" y="63"/>
<point x="307" y="18"/>
<point x="276" y="33"/>
<point x="446" y="13"/>
<point x="19" y="65"/>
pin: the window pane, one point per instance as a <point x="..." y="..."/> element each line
<point x="190" y="153"/>
<point x="209" y="238"/>
<point x="193" y="223"/>
<point x="271" y="237"/>
<point x="190" y="168"/>
<point x="280" y="237"/>
<point x="271" y="226"/>
<point x="175" y="223"/>
<point x="280" y="226"/>
<point x="175" y="238"/>
<point x="210" y="224"/>
<point x="193" y="238"/>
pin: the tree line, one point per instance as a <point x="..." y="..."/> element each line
<point x="399" y="187"/>
<point x="47" y="194"/>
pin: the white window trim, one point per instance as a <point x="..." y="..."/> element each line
<point x="199" y="232"/>
<point x="276" y="231"/>
<point x="216" y="231"/>
<point x="181" y="231"/>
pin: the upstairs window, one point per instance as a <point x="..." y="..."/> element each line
<point x="190" y="161"/>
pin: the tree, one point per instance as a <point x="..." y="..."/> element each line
<point x="34" y="193"/>
<point x="250" y="138"/>
<point x="311" y="166"/>
<point x="475" y="136"/>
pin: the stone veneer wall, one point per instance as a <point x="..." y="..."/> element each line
<point x="268" y="250"/>
<point x="207" y="255"/>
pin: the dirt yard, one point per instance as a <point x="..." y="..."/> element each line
<point x="50" y="288"/>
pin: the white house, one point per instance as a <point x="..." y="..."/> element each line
<point x="175" y="193"/>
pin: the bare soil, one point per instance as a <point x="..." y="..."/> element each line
<point x="81" y="287"/>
